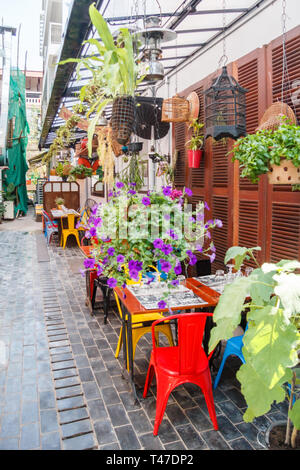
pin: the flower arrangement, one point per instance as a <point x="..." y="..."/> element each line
<point x="147" y="230"/>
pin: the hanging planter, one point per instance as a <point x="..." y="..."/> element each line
<point x="194" y="158"/>
<point x="122" y="118"/>
<point x="285" y="173"/>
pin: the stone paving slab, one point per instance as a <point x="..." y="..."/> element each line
<point x="62" y="387"/>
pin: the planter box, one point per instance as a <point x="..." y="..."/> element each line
<point x="9" y="210"/>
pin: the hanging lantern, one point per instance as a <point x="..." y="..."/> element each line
<point x="153" y="35"/>
<point x="175" y="109"/>
<point x="225" y="108"/>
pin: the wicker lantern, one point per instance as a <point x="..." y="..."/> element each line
<point x="175" y="109"/>
<point x="225" y="108"/>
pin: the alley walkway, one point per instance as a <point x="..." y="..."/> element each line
<point x="60" y="384"/>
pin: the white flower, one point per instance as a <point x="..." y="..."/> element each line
<point x="268" y="267"/>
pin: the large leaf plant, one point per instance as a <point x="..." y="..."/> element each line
<point x="113" y="67"/>
<point x="271" y="297"/>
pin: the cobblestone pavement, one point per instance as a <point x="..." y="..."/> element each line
<point x="61" y="386"/>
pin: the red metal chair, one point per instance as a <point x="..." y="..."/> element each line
<point x="176" y="365"/>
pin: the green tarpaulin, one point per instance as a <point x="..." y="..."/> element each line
<point x="17" y="164"/>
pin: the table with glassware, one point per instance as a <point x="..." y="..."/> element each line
<point x="193" y="294"/>
<point x="60" y="215"/>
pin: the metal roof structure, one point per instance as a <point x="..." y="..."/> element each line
<point x="198" y="23"/>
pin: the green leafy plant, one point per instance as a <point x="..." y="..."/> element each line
<point x="10" y="192"/>
<point x="271" y="297"/>
<point x="81" y="170"/>
<point x="59" y="201"/>
<point x="63" y="168"/>
<point x="2" y="209"/>
<point x="132" y="173"/>
<point x="197" y="139"/>
<point x="114" y="71"/>
<point x="256" y="152"/>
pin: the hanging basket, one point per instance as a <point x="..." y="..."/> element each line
<point x="285" y="173"/>
<point x="175" y="109"/>
<point x="122" y="118"/>
<point x="273" y="116"/>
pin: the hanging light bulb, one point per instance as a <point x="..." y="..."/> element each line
<point x="152" y="36"/>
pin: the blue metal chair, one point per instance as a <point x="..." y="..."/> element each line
<point x="234" y="347"/>
<point x="50" y="226"/>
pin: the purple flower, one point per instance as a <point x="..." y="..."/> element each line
<point x="193" y="260"/>
<point x="93" y="232"/>
<point x="134" y="274"/>
<point x="188" y="192"/>
<point x="146" y="201"/>
<point x="99" y="270"/>
<point x="199" y="216"/>
<point x="158" y="243"/>
<point x="199" y="248"/>
<point x="177" y="269"/>
<point x="175" y="282"/>
<point x="120" y="185"/>
<point x="131" y="192"/>
<point x="111" y="251"/>
<point x="132" y="184"/>
<point x="94" y="209"/>
<point x="206" y="206"/>
<point x="208" y="235"/>
<point x="97" y="221"/>
<point x="167" y="190"/>
<point x="172" y="234"/>
<point x="166" y="249"/>
<point x="112" y="282"/>
<point x="82" y="272"/>
<point x="192" y="219"/>
<point x="165" y="265"/>
<point x="162" y="304"/>
<point x="89" y="263"/>
<point x="212" y="257"/>
<point x="120" y="259"/>
<point x="218" y="223"/>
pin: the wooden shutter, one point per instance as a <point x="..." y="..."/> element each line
<point x="180" y="138"/>
<point x="285" y="235"/>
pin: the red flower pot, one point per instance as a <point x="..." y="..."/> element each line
<point x="194" y="157"/>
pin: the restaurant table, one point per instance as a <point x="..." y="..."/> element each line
<point x="60" y="215"/>
<point x="131" y="306"/>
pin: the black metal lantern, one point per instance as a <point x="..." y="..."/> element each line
<point x="225" y="108"/>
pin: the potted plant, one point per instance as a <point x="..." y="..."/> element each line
<point x="195" y="144"/>
<point x="135" y="247"/>
<point x="59" y="201"/>
<point x="81" y="171"/>
<point x="270" y="151"/>
<point x="2" y="210"/>
<point x="63" y="170"/>
<point x="271" y="297"/>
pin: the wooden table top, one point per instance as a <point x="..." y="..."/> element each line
<point x="134" y="307"/>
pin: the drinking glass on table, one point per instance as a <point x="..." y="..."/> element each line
<point x="248" y="271"/>
<point x="220" y="278"/>
<point x="230" y="275"/>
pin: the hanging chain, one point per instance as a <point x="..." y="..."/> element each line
<point x="224" y="57"/>
<point x="285" y="75"/>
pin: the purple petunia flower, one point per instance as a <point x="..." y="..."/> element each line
<point x="120" y="259"/>
<point x="131" y="192"/>
<point x="93" y="232"/>
<point x="188" y="192"/>
<point x="167" y="190"/>
<point x="158" y="243"/>
<point x="212" y="257"/>
<point x="132" y="184"/>
<point x="218" y="223"/>
<point x="99" y="270"/>
<point x="175" y="282"/>
<point x="162" y="304"/>
<point x="167" y="249"/>
<point x="111" y="251"/>
<point x="94" y="209"/>
<point x="165" y="265"/>
<point x="177" y="269"/>
<point x="112" y="282"/>
<point x="193" y="260"/>
<point x="146" y="201"/>
<point x="89" y="263"/>
<point x="120" y="185"/>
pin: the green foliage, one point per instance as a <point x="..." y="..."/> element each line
<point x="256" y="152"/>
<point x="271" y="295"/>
<point x="2" y="209"/>
<point x="81" y="170"/>
<point x="59" y="201"/>
<point x="197" y="139"/>
<point x="10" y="192"/>
<point x="132" y="173"/>
<point x="63" y="168"/>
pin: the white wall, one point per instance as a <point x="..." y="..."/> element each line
<point x="257" y="30"/>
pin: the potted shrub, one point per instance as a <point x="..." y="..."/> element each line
<point x="81" y="172"/>
<point x="270" y="151"/>
<point x="63" y="170"/>
<point x="195" y="144"/>
<point x="271" y="295"/>
<point x="59" y="201"/>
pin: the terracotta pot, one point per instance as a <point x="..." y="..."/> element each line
<point x="285" y="173"/>
<point x="53" y="172"/>
<point x="194" y="158"/>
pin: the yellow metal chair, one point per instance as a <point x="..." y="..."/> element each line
<point x="138" y="330"/>
<point x="71" y="230"/>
